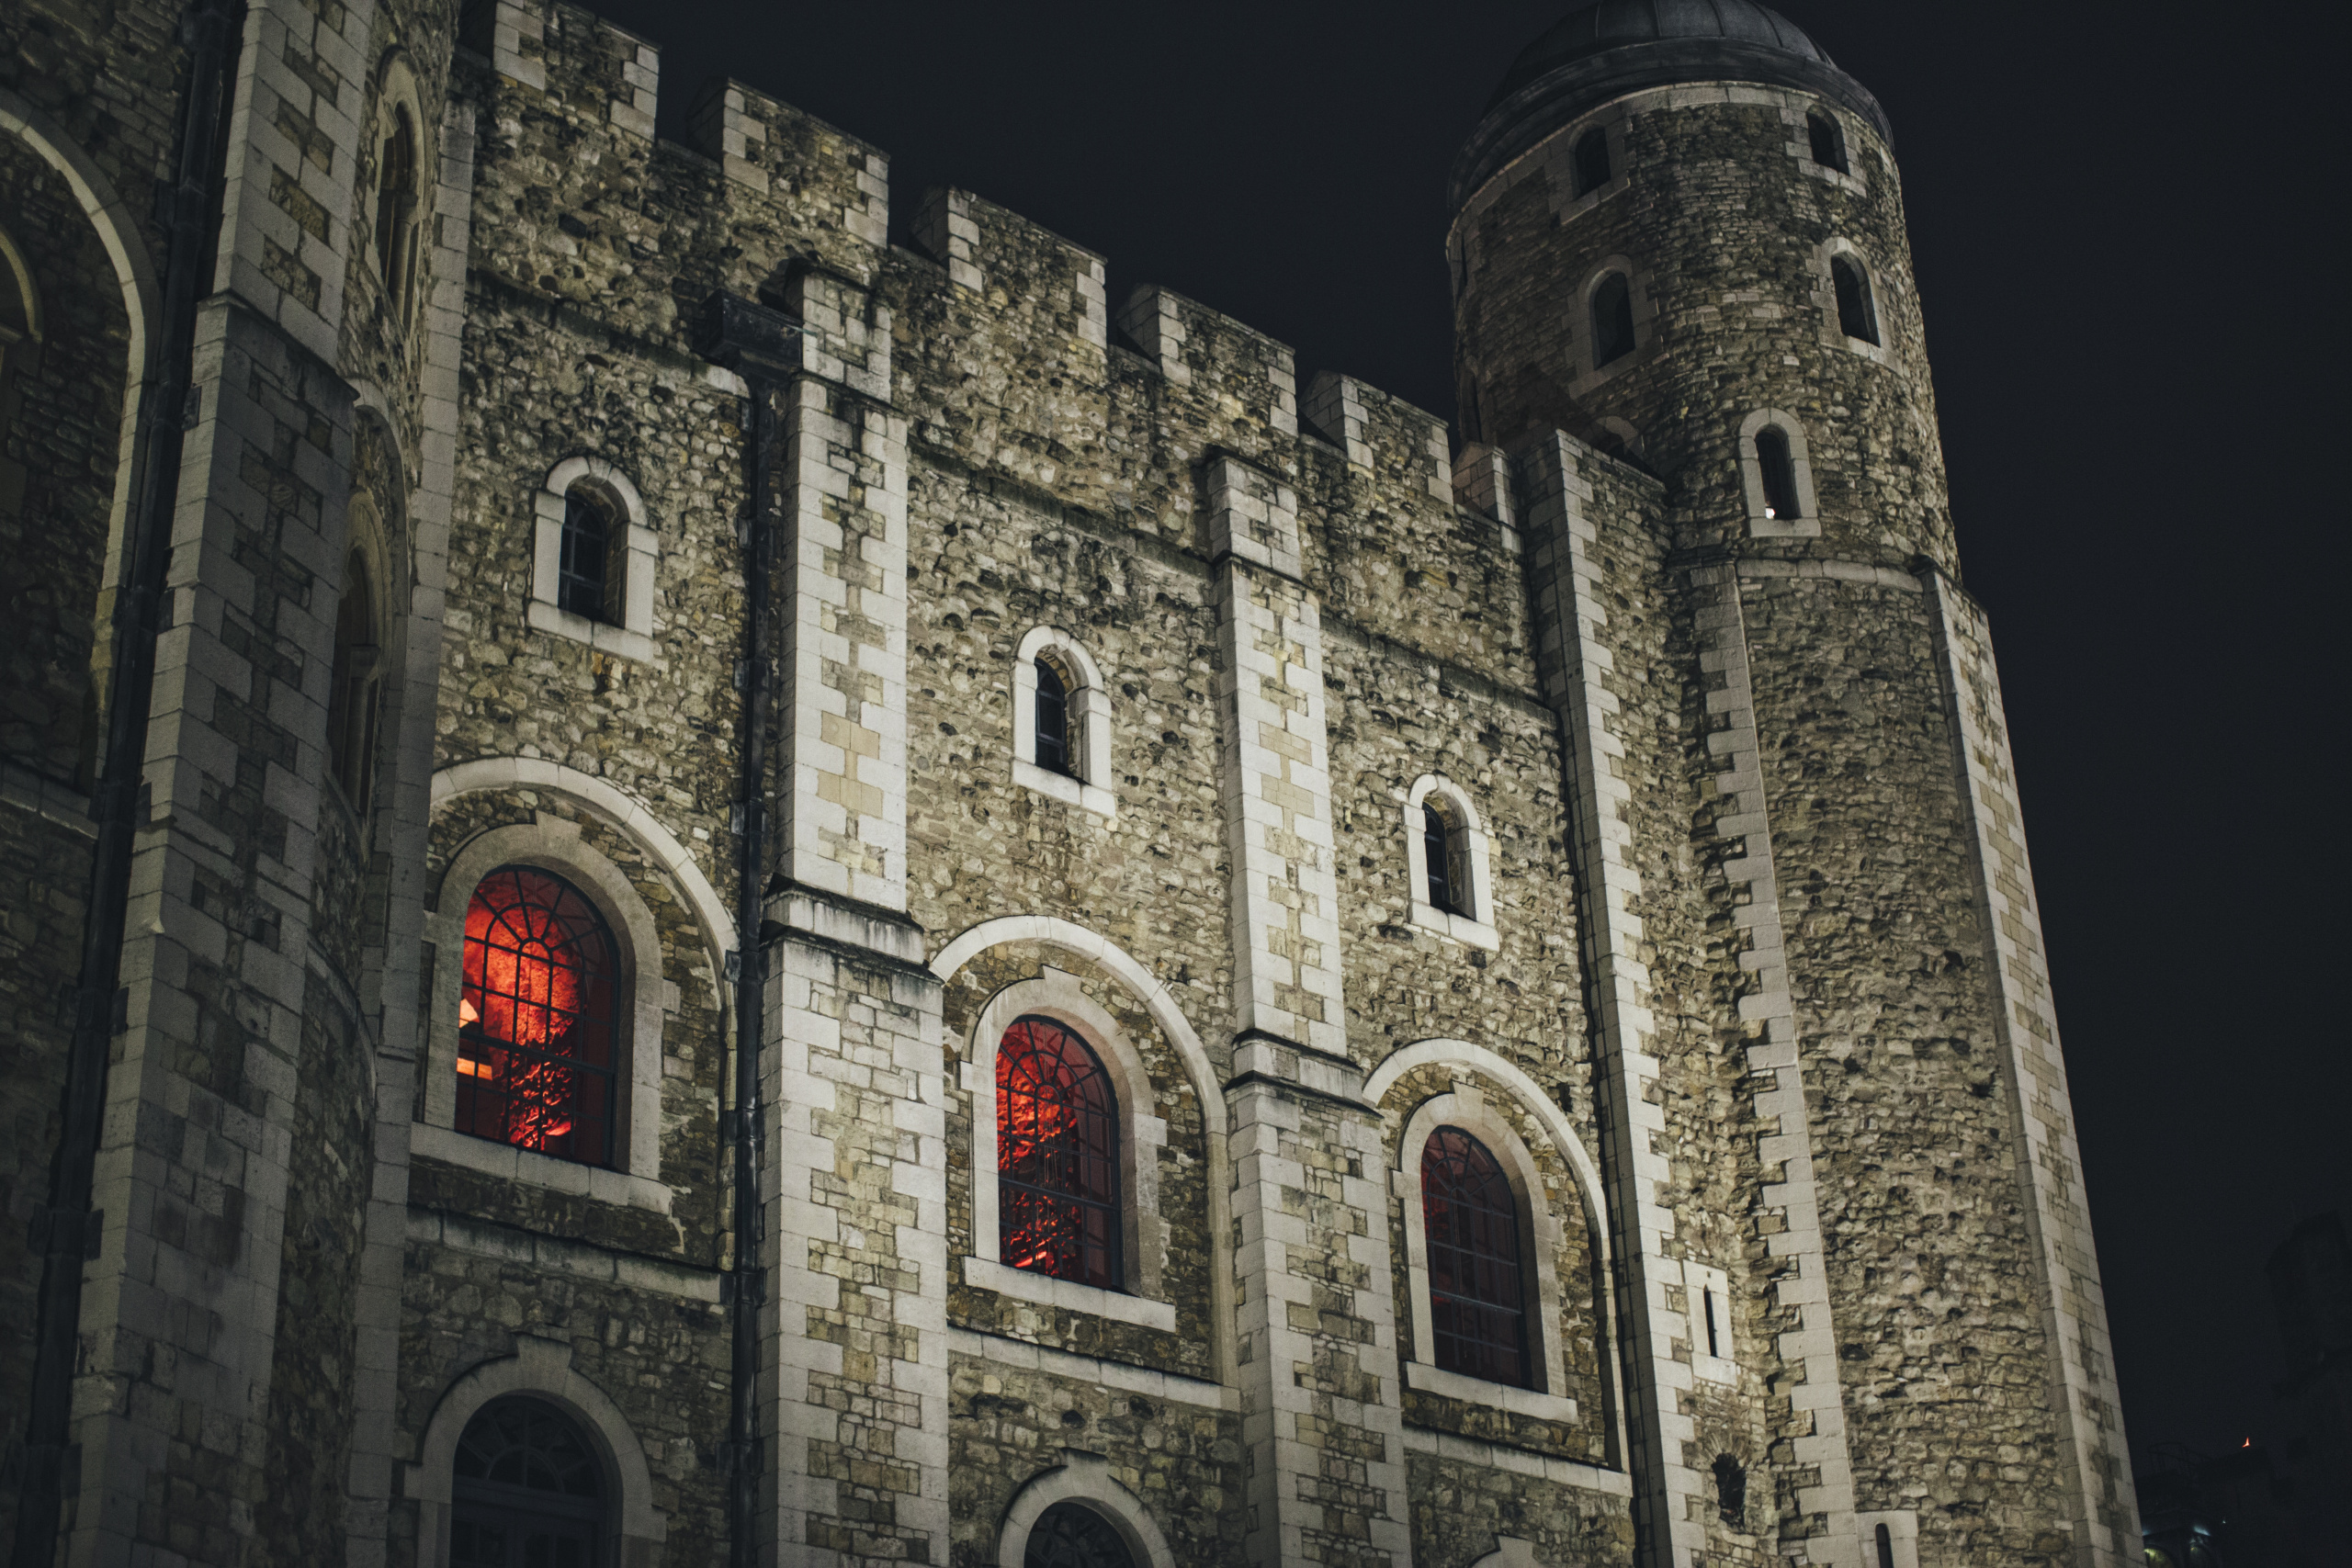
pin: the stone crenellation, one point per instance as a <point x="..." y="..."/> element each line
<point x="1547" y="1052"/>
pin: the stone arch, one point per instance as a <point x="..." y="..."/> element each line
<point x="1088" y="780"/>
<point x="543" y="1370"/>
<point x="1084" y="1479"/>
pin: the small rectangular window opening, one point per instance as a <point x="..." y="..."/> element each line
<point x="1779" y="473"/>
<point x="1707" y="1300"/>
<point x="1591" y="161"/>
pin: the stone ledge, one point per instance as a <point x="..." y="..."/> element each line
<point x="1518" y="1462"/>
<point x="505" y="1161"/>
<point x="1173" y="1387"/>
<point x="984" y="1274"/>
<point x="1496" y="1395"/>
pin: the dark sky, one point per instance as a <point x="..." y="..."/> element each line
<point x="2138" y="340"/>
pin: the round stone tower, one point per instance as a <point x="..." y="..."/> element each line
<point x="1861" y="1312"/>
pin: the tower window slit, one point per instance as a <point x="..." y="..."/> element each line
<point x="1612" y="320"/>
<point x="1885" y="1548"/>
<point x="1707" y="1305"/>
<point x="1053" y="720"/>
<point x="1779" y="472"/>
<point x="1857" y="312"/>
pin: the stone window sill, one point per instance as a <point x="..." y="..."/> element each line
<point x="1064" y="788"/>
<point x="1784" y="527"/>
<point x="1713" y="1369"/>
<point x="1499" y="1396"/>
<point x="602" y="636"/>
<point x="1460" y="928"/>
<point x="503" y="1160"/>
<point x="986" y="1274"/>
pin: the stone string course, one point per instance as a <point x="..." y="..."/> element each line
<point x="1768" y="1003"/>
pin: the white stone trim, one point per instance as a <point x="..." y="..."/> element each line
<point x="1806" y="523"/>
<point x="1090" y="724"/>
<point x="554" y="844"/>
<point x="1585" y="374"/>
<point x="1143" y="1236"/>
<point x="1083" y="1478"/>
<point x="541" y="1369"/>
<point x="1479" y="1452"/>
<point x="1540" y="1230"/>
<point x="632" y="637"/>
<point x="1824" y="300"/>
<point x="1709" y="1307"/>
<point x="1208" y="1086"/>
<point x="1172" y="1387"/>
<point x="1477" y="927"/>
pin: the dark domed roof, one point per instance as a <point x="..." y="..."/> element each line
<point x="1613" y="47"/>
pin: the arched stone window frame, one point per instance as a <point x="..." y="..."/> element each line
<point x="1795" y="111"/>
<point x="1090" y="723"/>
<point x="367" y="537"/>
<point x="1806" y="523"/>
<point x="553" y="843"/>
<point x="1477" y="927"/>
<point x="401" y="284"/>
<point x="1540" y="1232"/>
<point x="1587" y="374"/>
<point x="1901" y="1537"/>
<point x="539" y="1368"/>
<point x="1610" y="123"/>
<point x="1085" y="1479"/>
<point x="1057" y="995"/>
<point x="638" y="549"/>
<point x="1824" y="300"/>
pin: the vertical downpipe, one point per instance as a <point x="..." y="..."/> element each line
<point x="65" y="1232"/>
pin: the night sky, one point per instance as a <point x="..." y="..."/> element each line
<point x="2139" y="339"/>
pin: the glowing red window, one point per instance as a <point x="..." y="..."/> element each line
<point x="1470" y="1223"/>
<point x="538" y="1018"/>
<point x="1057" y="1156"/>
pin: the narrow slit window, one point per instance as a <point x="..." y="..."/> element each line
<point x="538" y="1017"/>
<point x="396" y="212"/>
<point x="1612" y="320"/>
<point x="352" y="690"/>
<point x="1436" y="857"/>
<point x="1591" y="161"/>
<point x="1058" y="1157"/>
<point x="1707" y="1307"/>
<point x="1829" y="141"/>
<point x="1779" y="472"/>
<point x="1857" y="312"/>
<point x="1052" y="719"/>
<point x="1885" y="1547"/>
<point x="584" y="575"/>
<point x="1477" y="1290"/>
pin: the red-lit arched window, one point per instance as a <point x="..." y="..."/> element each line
<point x="1477" y="1297"/>
<point x="538" y="1017"/>
<point x="1057" y="1156"/>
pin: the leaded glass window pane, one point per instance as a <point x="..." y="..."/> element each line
<point x="538" y="1023"/>
<point x="1477" y="1300"/>
<point x="1058" y="1157"/>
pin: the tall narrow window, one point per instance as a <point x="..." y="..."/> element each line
<point x="396" y="212"/>
<point x="1612" y="320"/>
<point x="351" y="691"/>
<point x="1885" y="1547"/>
<point x="1478" y="1295"/>
<point x="1591" y="161"/>
<point x="1058" y="1157"/>
<point x="538" y="1017"/>
<point x="584" y="580"/>
<point x="1857" y="312"/>
<point x="1731" y="1489"/>
<point x="1779" y="474"/>
<point x="528" y="1490"/>
<point x="1070" y="1535"/>
<point x="1442" y="858"/>
<point x="1052" y="719"/>
<point x="1707" y="1306"/>
<point x="1829" y="141"/>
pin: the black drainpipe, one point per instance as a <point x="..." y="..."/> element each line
<point x="761" y="346"/>
<point x="66" y="1232"/>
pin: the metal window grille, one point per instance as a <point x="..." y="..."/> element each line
<point x="1058" y="1157"/>
<point x="584" y="573"/>
<point x="1780" y="473"/>
<point x="1071" y="1535"/>
<point x="527" y="1492"/>
<point x="1052" y="719"/>
<point x="1478" y="1295"/>
<point x="1612" y="320"/>
<point x="1591" y="161"/>
<point x="1857" y="312"/>
<point x="1438" y="857"/>
<point x="538" y="1017"/>
<point x="1829" y="141"/>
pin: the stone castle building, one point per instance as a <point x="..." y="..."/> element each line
<point x="679" y="886"/>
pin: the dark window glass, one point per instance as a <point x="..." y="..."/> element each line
<point x="1440" y="858"/>
<point x="1829" y="141"/>
<point x="351" y="689"/>
<point x="583" y="574"/>
<point x="1592" y="160"/>
<point x="1058" y="1157"/>
<point x="1885" y="1547"/>
<point x="1612" y="320"/>
<point x="1478" y="1300"/>
<point x="1857" y="312"/>
<point x="1780" y="473"/>
<point x="528" y="1493"/>
<point x="1070" y="1535"/>
<point x="1731" y="1489"/>
<point x="1052" y="719"/>
<point x="538" y="1018"/>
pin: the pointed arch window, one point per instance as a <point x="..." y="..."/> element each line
<point x="1058" y="1157"/>
<point x="1612" y="320"/>
<point x="1591" y="160"/>
<point x="1477" y="1290"/>
<point x="538" y="1017"/>
<point x="1857" y="310"/>
<point x="528" y="1492"/>
<point x="1828" y="139"/>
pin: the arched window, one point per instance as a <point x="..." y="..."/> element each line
<point x="1828" y="139"/>
<point x="1885" y="1547"/>
<point x="1058" y="1157"/>
<point x="1442" y="854"/>
<point x="351" y="693"/>
<point x="1857" y="312"/>
<point x="1778" y="472"/>
<point x="584" y="580"/>
<point x="1071" y="1535"/>
<point x="1052" y="719"/>
<point x="396" y="212"/>
<point x="1731" y="1489"/>
<point x="538" y="1017"/>
<point x="528" y="1492"/>
<point x="1591" y="160"/>
<point x="1477" y="1293"/>
<point x="1612" y="320"/>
